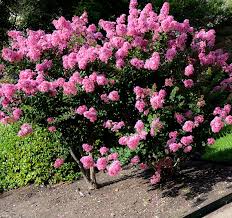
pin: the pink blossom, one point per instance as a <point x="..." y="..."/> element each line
<point x="135" y="160"/>
<point x="25" y="130"/>
<point x="114" y="168"/>
<point x="227" y="108"/>
<point x="120" y="63"/>
<point x="137" y="63"/>
<point x="81" y="109"/>
<point x="187" y="149"/>
<point x="69" y="88"/>
<point x="143" y="134"/>
<point x="189" y="70"/>
<point x="157" y="101"/>
<point x="169" y="82"/>
<point x="133" y="141"/>
<point x="217" y="111"/>
<point x="210" y="141"/>
<point x="91" y="114"/>
<point x="108" y="124"/>
<point x="50" y="119"/>
<point x="93" y="77"/>
<point x="188" y="83"/>
<point x="216" y="124"/>
<point x="198" y="120"/>
<point x="173" y="134"/>
<point x="45" y="65"/>
<point x="174" y="147"/>
<point x="146" y="112"/>
<point x="123" y="140"/>
<point x="17" y="113"/>
<point x="101" y="80"/>
<point x="101" y="163"/>
<point x="153" y="62"/>
<point x="139" y="126"/>
<point x="186" y="140"/>
<point x="156" y="126"/>
<point x="8" y="90"/>
<point x="188" y="126"/>
<point x="179" y="118"/>
<point x="117" y="126"/>
<point x="228" y="120"/>
<point x="6" y="120"/>
<point x="155" y="178"/>
<point x="103" y="150"/>
<point x="113" y="156"/>
<point x="139" y="92"/>
<point x="87" y="162"/>
<point x="51" y="128"/>
<point x="88" y="85"/>
<point x="140" y="105"/>
<point x="87" y="147"/>
<point x="44" y="86"/>
<point x="114" y="96"/>
<point x="58" y="163"/>
<point x="170" y="54"/>
<point x="170" y="141"/>
<point x="104" y="98"/>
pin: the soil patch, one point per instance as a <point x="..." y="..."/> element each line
<point x="128" y="195"/>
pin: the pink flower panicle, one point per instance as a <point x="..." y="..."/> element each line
<point x="25" y="130"/>
<point x="115" y="168"/>
<point x="87" y="147"/>
<point x="87" y="162"/>
<point x="58" y="163"/>
<point x="135" y="160"/>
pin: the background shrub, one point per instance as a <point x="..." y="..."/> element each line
<point x="30" y="160"/>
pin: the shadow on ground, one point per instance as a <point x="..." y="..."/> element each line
<point x="193" y="182"/>
<point x="196" y="179"/>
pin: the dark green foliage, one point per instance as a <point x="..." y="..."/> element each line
<point x="30" y="160"/>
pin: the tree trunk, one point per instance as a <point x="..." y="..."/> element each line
<point x="89" y="175"/>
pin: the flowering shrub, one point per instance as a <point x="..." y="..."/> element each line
<point x="145" y="81"/>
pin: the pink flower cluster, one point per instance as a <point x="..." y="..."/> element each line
<point x="90" y="114"/>
<point x="156" y="126"/>
<point x="87" y="147"/>
<point x="135" y="160"/>
<point x="113" y="126"/>
<point x="157" y="99"/>
<point x="188" y="126"/>
<point x="87" y="162"/>
<point x="115" y="168"/>
<point x="155" y="178"/>
<point x="51" y="128"/>
<point x="221" y="118"/>
<point x="58" y="163"/>
<point x="141" y="94"/>
<point x="25" y="130"/>
<point x="103" y="150"/>
<point x="102" y="163"/>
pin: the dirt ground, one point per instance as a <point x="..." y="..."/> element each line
<point x="128" y="195"/>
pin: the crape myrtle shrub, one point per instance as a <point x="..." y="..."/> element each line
<point x="30" y="159"/>
<point x="144" y="82"/>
